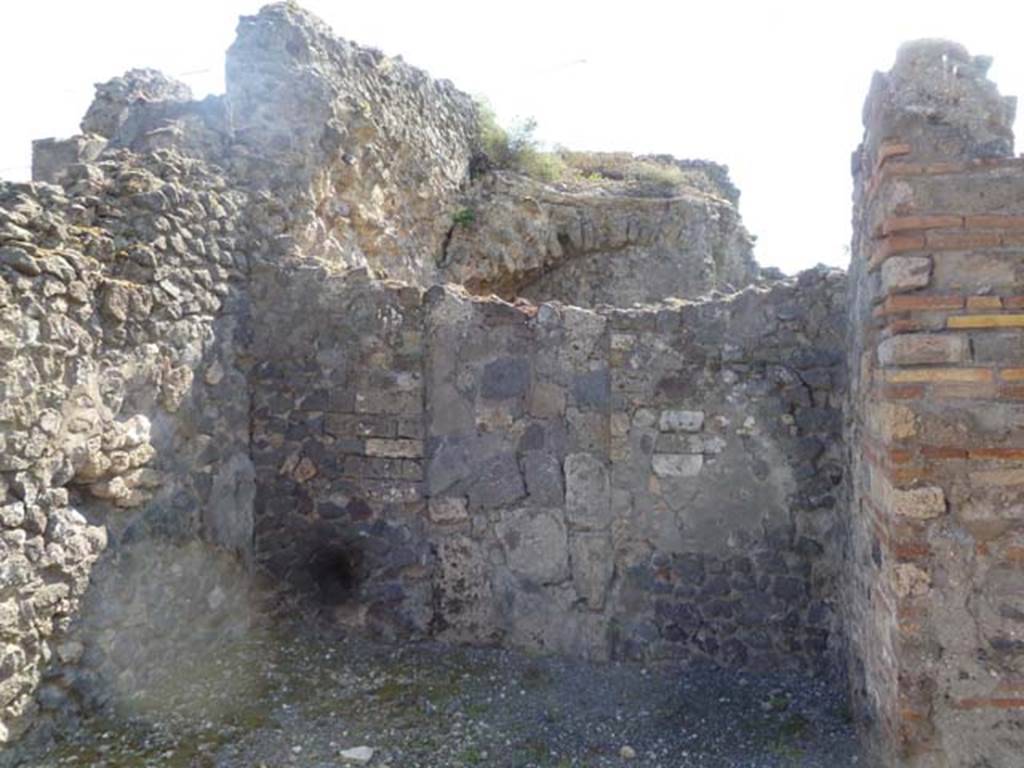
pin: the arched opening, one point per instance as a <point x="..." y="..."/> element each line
<point x="334" y="570"/>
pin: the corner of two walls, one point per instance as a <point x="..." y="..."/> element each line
<point x="637" y="483"/>
<point x="653" y="483"/>
<point x="125" y="319"/>
<point x="122" y="425"/>
<point x="666" y="482"/>
<point x="933" y="603"/>
<point x="337" y="442"/>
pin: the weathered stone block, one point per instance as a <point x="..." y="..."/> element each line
<point x="910" y="581"/>
<point x="535" y="544"/>
<point x="397" y="448"/>
<point x="678" y="620"/>
<point x="543" y="478"/>
<point x="51" y="157"/>
<point x="587" y="491"/>
<point x="677" y="464"/>
<point x="921" y="503"/>
<point x="546" y="400"/>
<point x="998" y="477"/>
<point x="496" y="417"/>
<point x="681" y="421"/>
<point x="497" y="482"/>
<point x="410" y="428"/>
<point x="359" y="425"/>
<point x="645" y="418"/>
<point x="592" y="390"/>
<point x="972" y="271"/>
<point x="451" y="412"/>
<point x="669" y="442"/>
<point x="447" y="509"/>
<point x="505" y="378"/>
<point x="621" y="342"/>
<point x="464" y="591"/>
<point x="923" y="349"/>
<point x="449" y="465"/>
<point x="389" y="402"/>
<point x="9" y="617"/>
<point x="379" y="468"/>
<point x="905" y="273"/>
<point x="593" y="565"/>
<point x="12" y="515"/>
<point x="588" y="430"/>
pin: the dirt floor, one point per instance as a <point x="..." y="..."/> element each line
<point x="299" y="697"/>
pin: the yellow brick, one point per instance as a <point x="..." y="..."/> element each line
<point x="1012" y="374"/>
<point x="980" y="303"/>
<point x="985" y="321"/>
<point x="998" y="477"/>
<point x="997" y="221"/>
<point x="965" y="390"/>
<point x="910" y="375"/>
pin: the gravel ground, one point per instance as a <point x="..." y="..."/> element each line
<point x="299" y="698"/>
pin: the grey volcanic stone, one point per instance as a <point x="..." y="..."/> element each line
<point x="508" y="377"/>
<point x="587" y="491"/>
<point x="543" y="478"/>
<point x="592" y="389"/>
<point x="497" y="482"/>
<point x="535" y="544"/>
<point x="593" y="565"/>
<point x="218" y="354"/>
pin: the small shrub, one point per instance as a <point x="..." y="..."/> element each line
<point x="515" y="148"/>
<point x="544" y="166"/>
<point x="464" y="218"/>
<point x="499" y="144"/>
<point x="655" y="173"/>
<point x="599" y="166"/>
<point x="595" y="167"/>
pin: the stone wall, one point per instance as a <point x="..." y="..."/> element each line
<point x="356" y="155"/>
<point x="611" y="244"/>
<point x="124" y="324"/>
<point x="935" y="584"/>
<point x="119" y="390"/>
<point x="642" y="484"/>
<point x="204" y="370"/>
<point x="648" y="483"/>
<point x="338" y="444"/>
<point x="195" y="380"/>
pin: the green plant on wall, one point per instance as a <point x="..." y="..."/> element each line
<point x="515" y="148"/>
<point x="464" y="218"/>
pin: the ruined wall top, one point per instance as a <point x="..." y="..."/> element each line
<point x="360" y="161"/>
<point x="114" y="99"/>
<point x="938" y="100"/>
<point x="933" y="349"/>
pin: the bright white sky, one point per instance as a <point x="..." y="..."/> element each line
<point x="772" y="89"/>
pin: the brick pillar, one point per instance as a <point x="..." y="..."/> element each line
<point x="935" y="608"/>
